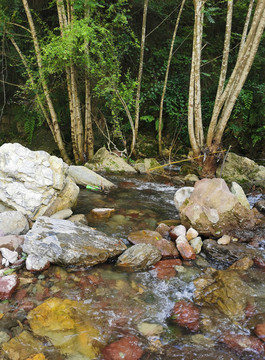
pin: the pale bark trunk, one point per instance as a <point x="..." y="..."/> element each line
<point x="246" y="25"/>
<point x="140" y="72"/>
<point x="166" y="79"/>
<point x="241" y="60"/>
<point x="57" y="132"/>
<point x="77" y="114"/>
<point x="223" y="71"/>
<point x="74" y="102"/>
<point x="89" y="137"/>
<point x="63" y="22"/>
<point x="255" y="40"/>
<point x="197" y="74"/>
<point x="195" y="127"/>
<point x="88" y="131"/>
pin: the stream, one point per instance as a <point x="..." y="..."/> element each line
<point x="121" y="303"/>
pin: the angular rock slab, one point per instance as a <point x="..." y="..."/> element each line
<point x="139" y="257"/>
<point x="84" y="176"/>
<point x="63" y="242"/>
<point x="213" y="210"/>
<point x="30" y="181"/>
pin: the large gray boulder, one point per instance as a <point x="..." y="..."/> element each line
<point x="63" y="242"/>
<point x="242" y="170"/>
<point x="33" y="182"/>
<point x="84" y="176"/>
<point x="213" y="210"/>
<point x="103" y="160"/>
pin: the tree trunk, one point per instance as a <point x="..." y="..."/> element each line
<point x="140" y="72"/>
<point x="89" y="136"/>
<point x="57" y="132"/>
<point x="74" y="102"/>
<point x="195" y="127"/>
<point x="166" y="79"/>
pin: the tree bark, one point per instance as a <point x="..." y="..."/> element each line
<point x="223" y="71"/>
<point x="57" y="132"/>
<point x="89" y="136"/>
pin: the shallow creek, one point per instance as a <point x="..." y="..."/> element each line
<point x="118" y="303"/>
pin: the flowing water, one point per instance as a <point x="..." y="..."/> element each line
<point x="119" y="303"/>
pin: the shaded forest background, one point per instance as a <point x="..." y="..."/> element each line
<point x="109" y="39"/>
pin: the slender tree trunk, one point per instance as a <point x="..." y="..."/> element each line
<point x="166" y="79"/>
<point x="140" y="72"/>
<point x="89" y="136"/>
<point x="195" y="126"/>
<point x="246" y="25"/>
<point x="57" y="132"/>
<point x="223" y="71"/>
<point x="238" y="77"/>
<point x="71" y="78"/>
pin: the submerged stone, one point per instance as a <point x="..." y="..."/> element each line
<point x="127" y="348"/>
<point x="187" y="315"/>
<point x="22" y="346"/>
<point x="225" y="290"/>
<point x="68" y="325"/>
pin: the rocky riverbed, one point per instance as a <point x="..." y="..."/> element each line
<point x="131" y="276"/>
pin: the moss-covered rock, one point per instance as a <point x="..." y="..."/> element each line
<point x="242" y="170"/>
<point x="103" y="160"/>
<point x="148" y="164"/>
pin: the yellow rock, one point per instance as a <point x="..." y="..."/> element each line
<point x="68" y="325"/>
<point x="22" y="346"/>
<point x="37" y="357"/>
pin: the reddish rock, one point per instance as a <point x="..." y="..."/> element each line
<point x="12" y="242"/>
<point x="165" y="268"/>
<point x="20" y="294"/>
<point x="249" y="310"/>
<point x="259" y="262"/>
<point x="94" y="279"/>
<point x="185" y="249"/>
<point x="260" y="331"/>
<point x="8" y="285"/>
<point x="166" y="247"/>
<point x="163" y="230"/>
<point x="126" y="348"/>
<point x="27" y="305"/>
<point x="243" y="343"/>
<point x="187" y="315"/>
<point x="144" y="237"/>
<point x="126" y="185"/>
